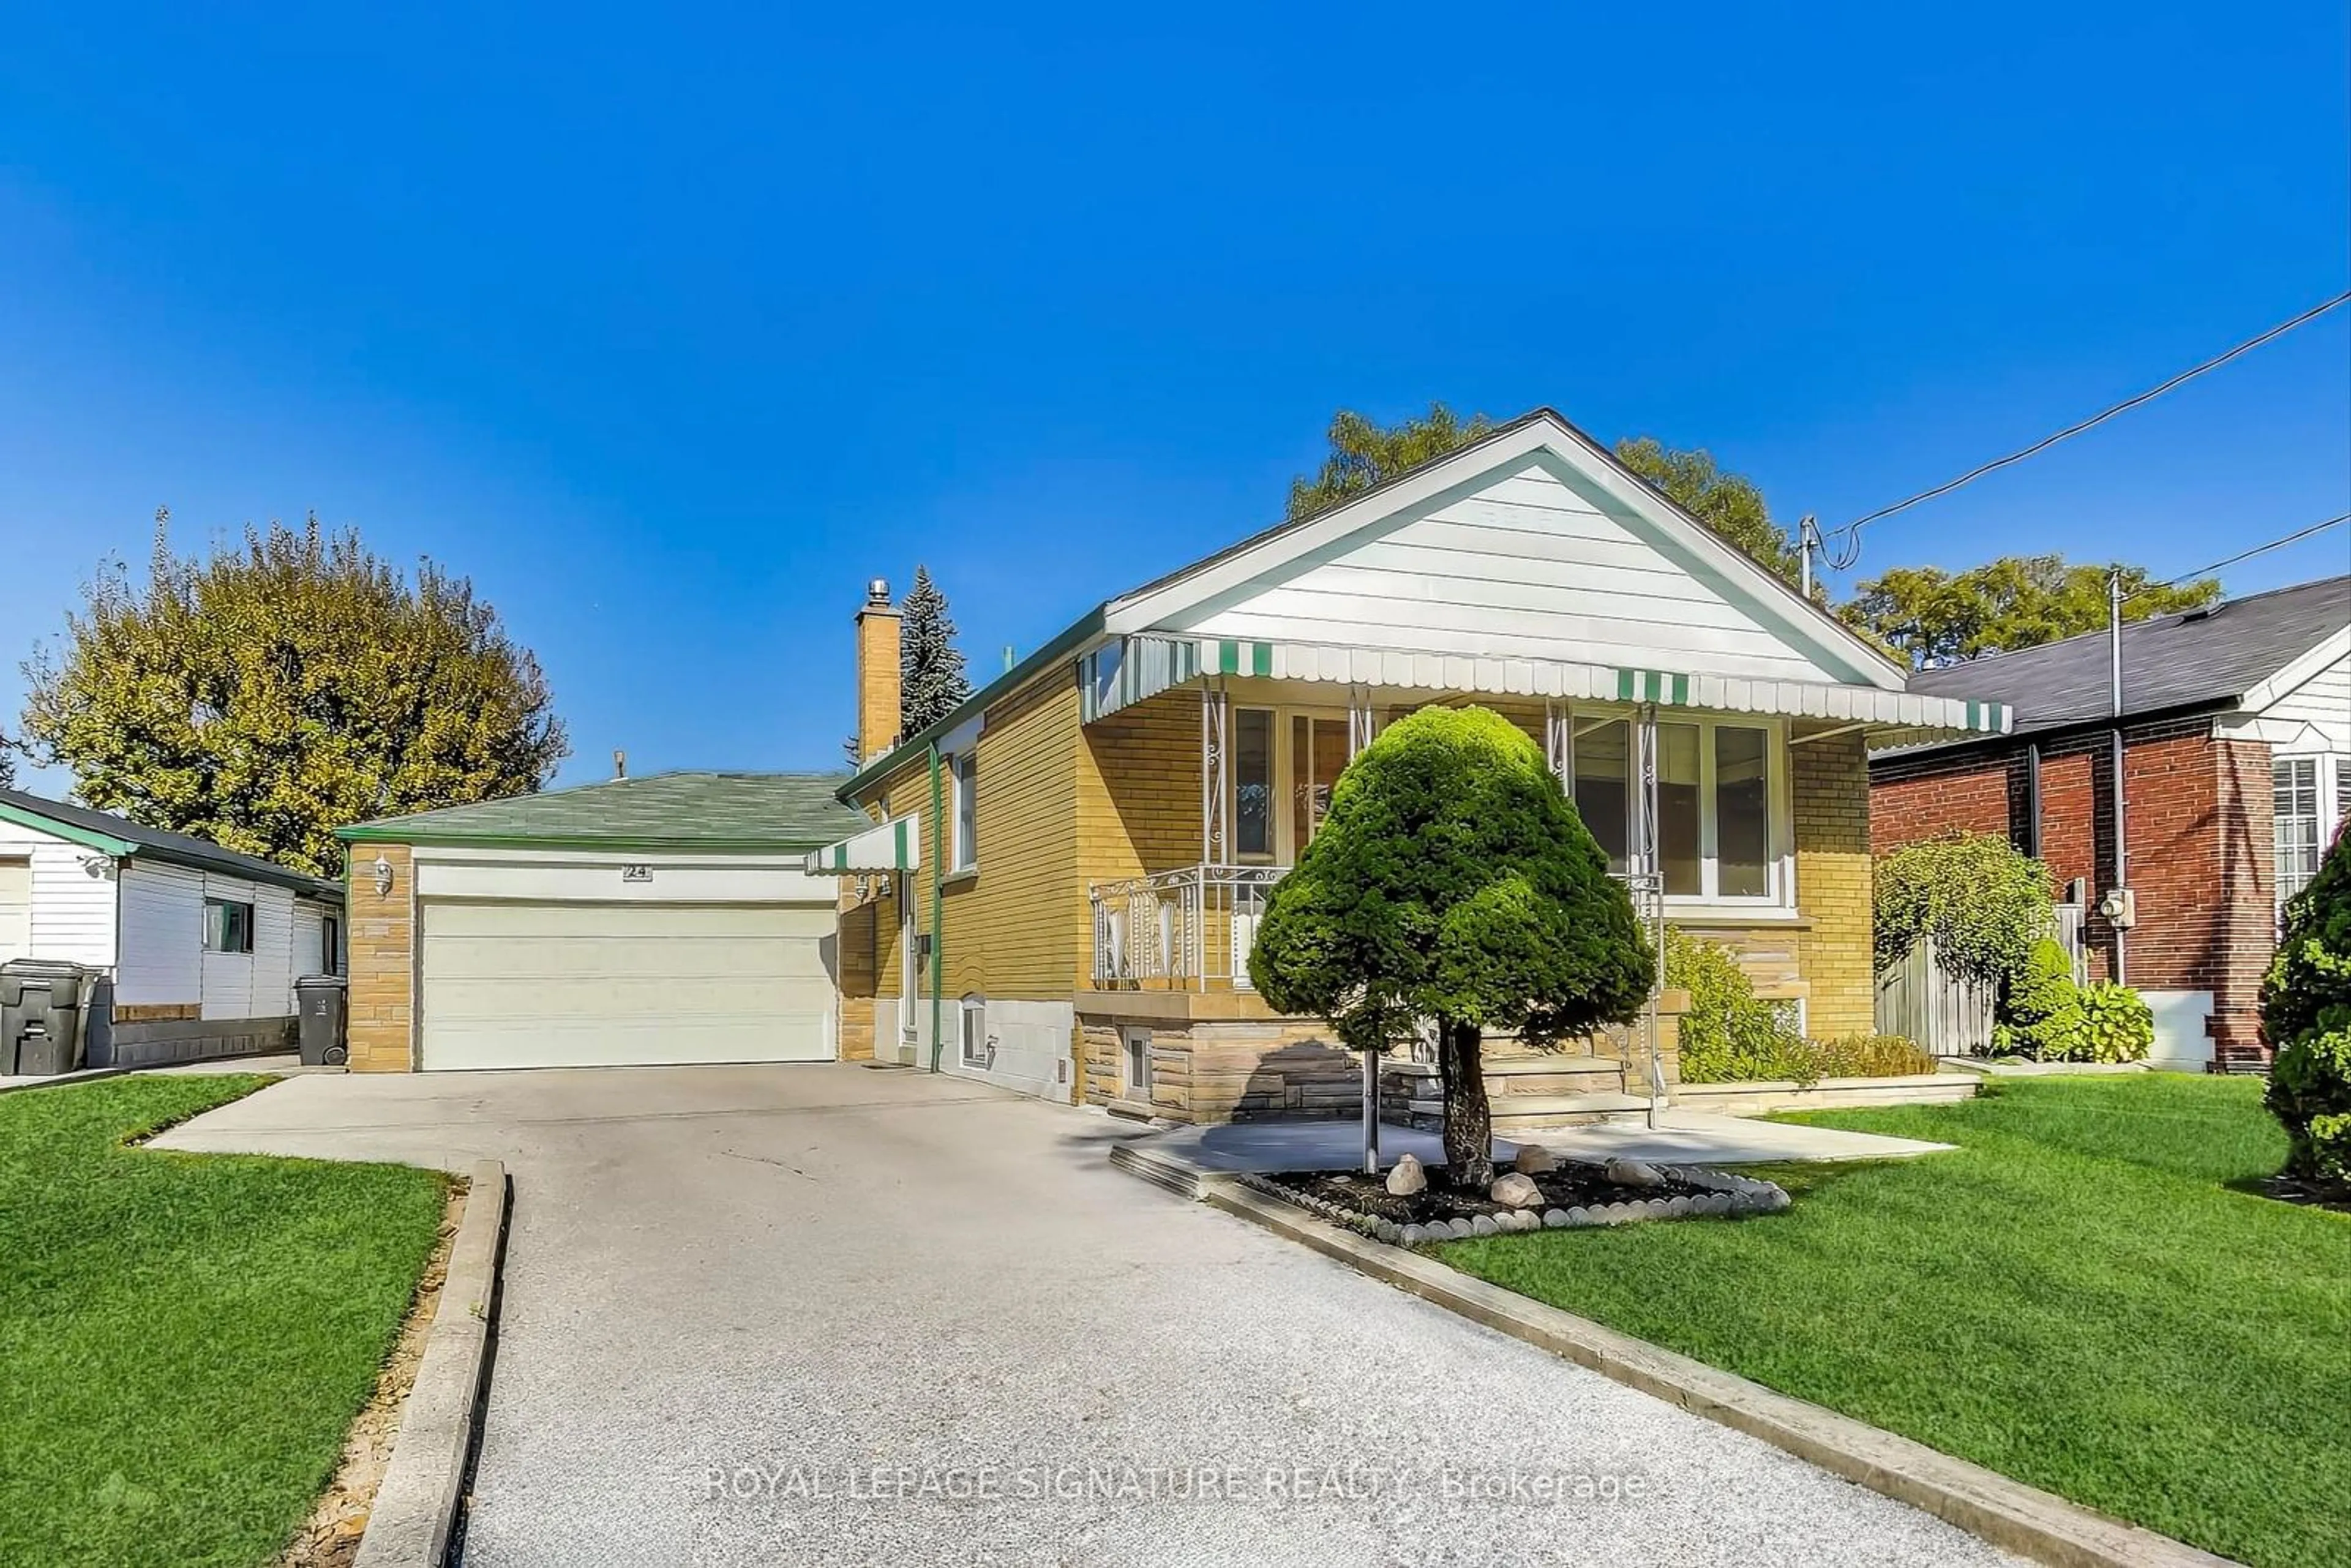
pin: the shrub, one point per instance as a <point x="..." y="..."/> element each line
<point x="2043" y="1008"/>
<point x="1730" y="1034"/>
<point x="2306" y="1019"/>
<point x="2116" y="1025"/>
<point x="1983" y="904"/>
<point x="1868" y="1056"/>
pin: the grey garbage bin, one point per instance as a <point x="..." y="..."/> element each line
<point x="320" y="1000"/>
<point x="40" y="1008"/>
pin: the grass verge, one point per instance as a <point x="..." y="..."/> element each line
<point x="2085" y="1295"/>
<point x="183" y="1338"/>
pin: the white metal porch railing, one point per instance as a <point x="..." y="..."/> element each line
<point x="1190" y="928"/>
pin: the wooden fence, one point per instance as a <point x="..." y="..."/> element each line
<point x="1950" y="1017"/>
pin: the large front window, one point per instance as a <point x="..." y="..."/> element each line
<point x="1721" y="795"/>
<point x="1718" y="794"/>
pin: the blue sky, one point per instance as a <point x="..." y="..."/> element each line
<point x="670" y="336"/>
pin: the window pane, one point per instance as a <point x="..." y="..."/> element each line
<point x="1252" y="782"/>
<point x="1677" y="809"/>
<point x="1742" y="830"/>
<point x="967" y="793"/>
<point x="1602" y="766"/>
<point x="1302" y="826"/>
<point x="2296" y="778"/>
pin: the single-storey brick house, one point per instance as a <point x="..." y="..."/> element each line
<point x="1062" y="880"/>
<point x="2236" y="729"/>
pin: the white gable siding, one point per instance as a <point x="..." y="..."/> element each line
<point x="1523" y="567"/>
<point x="2322" y="703"/>
<point x="71" y="911"/>
<point x="163" y="936"/>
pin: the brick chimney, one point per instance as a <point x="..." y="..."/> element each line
<point x="877" y="672"/>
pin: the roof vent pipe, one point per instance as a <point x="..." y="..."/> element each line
<point x="620" y="763"/>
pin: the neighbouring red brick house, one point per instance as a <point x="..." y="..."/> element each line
<point x="2237" y="772"/>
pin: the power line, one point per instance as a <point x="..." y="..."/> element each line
<point x="1843" y="558"/>
<point x="2294" y="538"/>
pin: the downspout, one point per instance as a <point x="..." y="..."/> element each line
<point x="939" y="916"/>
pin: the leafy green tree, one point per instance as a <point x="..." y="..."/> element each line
<point x="1932" y="617"/>
<point x="1364" y="455"/>
<point x="930" y="679"/>
<point x="2307" y="1019"/>
<point x="272" y="693"/>
<point x="1730" y="504"/>
<point x="1453" y="882"/>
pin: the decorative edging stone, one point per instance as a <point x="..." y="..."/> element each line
<point x="417" y="1504"/>
<point x="2007" y="1513"/>
<point x="1727" y="1196"/>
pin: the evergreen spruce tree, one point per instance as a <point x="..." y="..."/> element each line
<point x="931" y="683"/>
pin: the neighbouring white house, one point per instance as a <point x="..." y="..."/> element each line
<point x="195" y="948"/>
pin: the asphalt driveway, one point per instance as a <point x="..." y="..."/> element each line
<point x="829" y="1313"/>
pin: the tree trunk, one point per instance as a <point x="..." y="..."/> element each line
<point x="1468" y="1123"/>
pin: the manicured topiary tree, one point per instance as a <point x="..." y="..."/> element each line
<point x="1453" y="882"/>
<point x="2306" y="1019"/>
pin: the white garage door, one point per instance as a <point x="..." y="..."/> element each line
<point x="602" y="985"/>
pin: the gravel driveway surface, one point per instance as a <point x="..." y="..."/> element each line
<point x="830" y="1314"/>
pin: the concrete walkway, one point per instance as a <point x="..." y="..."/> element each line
<point x="828" y="1314"/>
<point x="1680" y="1137"/>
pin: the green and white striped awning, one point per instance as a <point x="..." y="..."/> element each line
<point x="1127" y="671"/>
<point x="894" y="845"/>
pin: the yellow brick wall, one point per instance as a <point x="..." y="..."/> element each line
<point x="1029" y="882"/>
<point x="1013" y="929"/>
<point x="1138" y="794"/>
<point x="380" y="936"/>
<point x="1830" y="784"/>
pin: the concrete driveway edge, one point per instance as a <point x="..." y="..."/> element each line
<point x="416" y="1505"/>
<point x="2007" y="1513"/>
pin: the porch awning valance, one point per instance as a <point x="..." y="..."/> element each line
<point x="894" y="845"/>
<point x="1134" y="668"/>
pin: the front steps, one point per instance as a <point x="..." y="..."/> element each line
<point x="1527" y="1094"/>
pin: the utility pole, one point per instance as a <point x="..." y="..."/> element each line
<point x="2117" y="914"/>
<point x="1808" y="540"/>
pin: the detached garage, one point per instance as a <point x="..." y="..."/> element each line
<point x="641" y="921"/>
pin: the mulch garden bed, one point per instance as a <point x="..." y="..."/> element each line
<point x="2334" y="1195"/>
<point x="1571" y="1185"/>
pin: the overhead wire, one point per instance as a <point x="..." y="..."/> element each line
<point x="1841" y="557"/>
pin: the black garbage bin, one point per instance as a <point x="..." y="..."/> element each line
<point x="320" y="1000"/>
<point x="40" y="1009"/>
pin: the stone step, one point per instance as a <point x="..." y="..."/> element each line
<point x="1530" y="1113"/>
<point x="1510" y="1066"/>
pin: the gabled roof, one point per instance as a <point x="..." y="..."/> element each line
<point x="1542" y="428"/>
<point x="1531" y="435"/>
<point x="2203" y="658"/>
<point x="126" y="840"/>
<point x="779" y="812"/>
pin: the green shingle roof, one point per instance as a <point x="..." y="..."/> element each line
<point x="779" y="812"/>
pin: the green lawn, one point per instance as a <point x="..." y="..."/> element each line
<point x="2081" y="1296"/>
<point x="183" y="1338"/>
